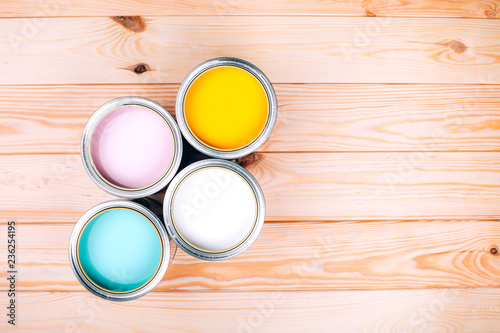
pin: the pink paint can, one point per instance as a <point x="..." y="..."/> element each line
<point x="131" y="147"/>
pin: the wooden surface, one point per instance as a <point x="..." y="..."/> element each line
<point x="381" y="178"/>
<point x="311" y="118"/>
<point x="336" y="255"/>
<point x="424" y="310"/>
<point x="288" y="49"/>
<point x="297" y="186"/>
<point x="412" y="8"/>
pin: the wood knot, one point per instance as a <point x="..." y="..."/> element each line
<point x="494" y="251"/>
<point x="458" y="46"/>
<point x="249" y="160"/>
<point x="369" y="13"/>
<point x="141" y="68"/>
<point x="490" y="13"/>
<point x="132" y="23"/>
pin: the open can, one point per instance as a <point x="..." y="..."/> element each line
<point x="131" y="147"/>
<point x="214" y="209"/>
<point x="119" y="250"/>
<point x="226" y="108"/>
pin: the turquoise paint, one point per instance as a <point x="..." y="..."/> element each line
<point x="119" y="250"/>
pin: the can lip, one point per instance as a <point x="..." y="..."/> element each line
<point x="214" y="256"/>
<point x="272" y="110"/>
<point x="87" y="158"/>
<point x="74" y="242"/>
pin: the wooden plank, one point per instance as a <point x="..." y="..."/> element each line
<point x="379" y="185"/>
<point x="298" y="256"/>
<point x="423" y="8"/>
<point x="297" y="186"/>
<point x="288" y="50"/>
<point x="311" y="117"/>
<point x="50" y="188"/>
<point x="467" y="310"/>
<point x="386" y="118"/>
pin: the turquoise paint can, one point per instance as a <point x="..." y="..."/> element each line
<point x="119" y="250"/>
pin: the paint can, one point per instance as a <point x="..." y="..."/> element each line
<point x="119" y="250"/>
<point x="131" y="147"/>
<point x="226" y="108"/>
<point x="214" y="209"/>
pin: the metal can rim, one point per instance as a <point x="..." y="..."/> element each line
<point x="94" y="120"/>
<point x="214" y="256"/>
<point x="74" y="242"/>
<point x="272" y="109"/>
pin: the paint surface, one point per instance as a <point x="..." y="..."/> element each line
<point x="119" y="250"/>
<point x="214" y="209"/>
<point x="226" y="108"/>
<point x="132" y="147"/>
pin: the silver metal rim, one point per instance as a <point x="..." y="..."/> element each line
<point x="271" y="97"/>
<point x="87" y="158"/>
<point x="74" y="242"/>
<point x="210" y="256"/>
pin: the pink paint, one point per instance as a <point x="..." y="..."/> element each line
<point x="132" y="147"/>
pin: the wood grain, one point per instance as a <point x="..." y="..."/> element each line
<point x="297" y="186"/>
<point x="424" y="8"/>
<point x="48" y="188"/>
<point x="311" y="117"/>
<point x="379" y="185"/>
<point x="386" y="118"/>
<point x="298" y="256"/>
<point x="452" y="310"/>
<point x="381" y="177"/>
<point x="288" y="50"/>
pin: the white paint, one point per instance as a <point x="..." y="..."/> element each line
<point x="214" y="209"/>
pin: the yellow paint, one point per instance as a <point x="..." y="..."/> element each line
<point x="226" y="108"/>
